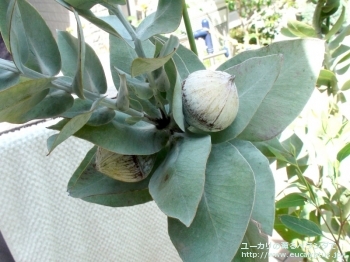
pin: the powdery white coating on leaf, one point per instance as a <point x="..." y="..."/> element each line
<point x="210" y="100"/>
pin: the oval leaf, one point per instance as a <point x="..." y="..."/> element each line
<point x="343" y="153"/>
<point x="327" y="78"/>
<point x="291" y="200"/>
<point x="224" y="212"/>
<point x="121" y="56"/>
<point x="166" y="19"/>
<point x="301" y="29"/>
<point x="72" y="126"/>
<point x="117" y="26"/>
<point x="13" y="114"/>
<point x="337" y="24"/>
<point x="101" y="116"/>
<point x="302" y="63"/>
<point x="302" y="226"/>
<point x="54" y="104"/>
<point x="264" y="204"/>
<point x="19" y="99"/>
<point x="92" y="186"/>
<point x="32" y="44"/>
<point x="122" y="102"/>
<point x="254" y="79"/>
<point x="175" y="94"/>
<point x="144" y="65"/>
<point x="122" y="138"/>
<point x="185" y="60"/>
<point x="94" y="76"/>
<point x="177" y="185"/>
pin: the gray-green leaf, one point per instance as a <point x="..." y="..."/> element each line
<point x="302" y="63"/>
<point x="31" y="42"/>
<point x="177" y="185"/>
<point x="254" y="245"/>
<point x="119" y="137"/>
<point x="94" y="77"/>
<point x="92" y="186"/>
<point x="19" y="99"/>
<point x="254" y="79"/>
<point x="302" y="226"/>
<point x="166" y="19"/>
<point x="144" y="65"/>
<point x="264" y="210"/>
<point x="223" y="214"/>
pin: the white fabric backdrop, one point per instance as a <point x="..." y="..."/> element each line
<point x="40" y="222"/>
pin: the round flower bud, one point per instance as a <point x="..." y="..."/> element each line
<point x="210" y="100"/>
<point x="126" y="168"/>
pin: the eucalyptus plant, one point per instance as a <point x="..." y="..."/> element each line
<point x="216" y="188"/>
<point x="316" y="211"/>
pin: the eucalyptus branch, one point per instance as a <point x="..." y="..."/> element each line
<point x="108" y="102"/>
<point x="313" y="198"/>
<point x="336" y="241"/>
<point x="189" y="28"/>
<point x="317" y="16"/>
<point x="138" y="46"/>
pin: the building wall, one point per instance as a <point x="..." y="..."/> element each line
<point x="59" y="18"/>
<point x="56" y="16"/>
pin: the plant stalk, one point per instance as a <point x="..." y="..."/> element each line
<point x="317" y="17"/>
<point x="189" y="30"/>
<point x="138" y="47"/>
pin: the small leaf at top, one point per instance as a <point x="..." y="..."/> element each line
<point x="166" y="19"/>
<point x="123" y="94"/>
<point x="144" y="65"/>
<point x="185" y="60"/>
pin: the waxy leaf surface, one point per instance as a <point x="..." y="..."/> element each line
<point x="302" y="61"/>
<point x="177" y="185"/>
<point x="254" y="79"/>
<point x="224" y="211"/>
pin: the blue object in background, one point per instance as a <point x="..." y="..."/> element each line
<point x="204" y="33"/>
